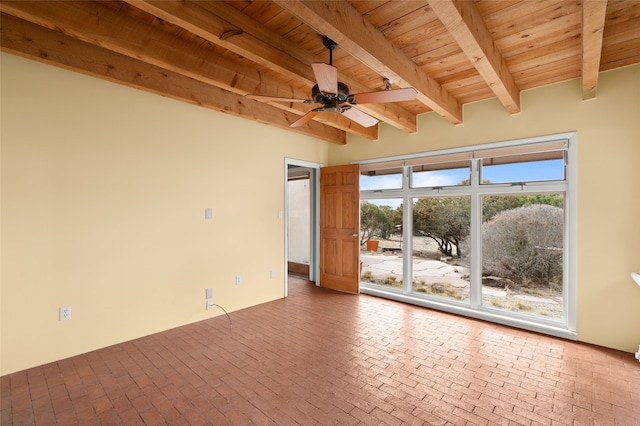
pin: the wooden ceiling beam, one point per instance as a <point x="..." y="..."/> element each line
<point x="229" y="28"/>
<point x="342" y="23"/>
<point x="199" y="20"/>
<point x="94" y="23"/>
<point x="35" y="42"/>
<point x="593" y="18"/>
<point x="463" y="21"/>
<point x="390" y="113"/>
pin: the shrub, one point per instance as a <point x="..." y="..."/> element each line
<point x="391" y="280"/>
<point x="513" y="305"/>
<point x="524" y="244"/>
<point x="441" y="289"/>
<point x="368" y="276"/>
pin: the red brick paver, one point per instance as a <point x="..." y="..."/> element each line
<point x="321" y="357"/>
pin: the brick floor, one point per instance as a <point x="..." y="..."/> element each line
<point x="320" y="357"/>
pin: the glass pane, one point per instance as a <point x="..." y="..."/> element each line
<point x="522" y="253"/>
<point x="441" y="227"/>
<point x="436" y="178"/>
<point x="381" y="242"/>
<point x="381" y="179"/>
<point x="530" y="171"/>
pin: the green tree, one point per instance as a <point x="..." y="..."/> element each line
<point x="446" y="220"/>
<point x="395" y="218"/>
<point x="374" y="222"/>
<point x="492" y="205"/>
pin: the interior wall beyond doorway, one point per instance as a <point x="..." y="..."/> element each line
<point x="299" y="221"/>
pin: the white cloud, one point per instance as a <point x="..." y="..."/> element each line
<point x="380" y="182"/>
<point x="421" y="180"/>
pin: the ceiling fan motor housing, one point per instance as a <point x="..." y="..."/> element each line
<point x="319" y="97"/>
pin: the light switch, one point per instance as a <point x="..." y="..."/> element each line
<point x="208" y="213"/>
<point x="209" y="298"/>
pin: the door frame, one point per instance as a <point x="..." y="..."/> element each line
<point x="314" y="182"/>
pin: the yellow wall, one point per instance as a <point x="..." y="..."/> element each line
<point x="104" y="190"/>
<point x="608" y="227"/>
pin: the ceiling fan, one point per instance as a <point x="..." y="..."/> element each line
<point x="334" y="95"/>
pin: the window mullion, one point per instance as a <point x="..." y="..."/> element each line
<point x="475" y="261"/>
<point x="407" y="232"/>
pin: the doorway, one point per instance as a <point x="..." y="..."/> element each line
<point x="301" y="224"/>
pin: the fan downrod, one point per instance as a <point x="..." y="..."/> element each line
<point x="330" y="45"/>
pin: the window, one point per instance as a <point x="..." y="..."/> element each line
<point x="381" y="242"/>
<point x="381" y="179"/>
<point x="479" y="232"/>
<point x="544" y="162"/>
<point x="439" y="178"/>
<point x="440" y="268"/>
<point x="530" y="171"/>
<point x="439" y="171"/>
<point x="522" y="253"/>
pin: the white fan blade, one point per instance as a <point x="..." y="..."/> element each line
<point x="395" y="95"/>
<point x="304" y="119"/>
<point x="360" y="117"/>
<point x="326" y="77"/>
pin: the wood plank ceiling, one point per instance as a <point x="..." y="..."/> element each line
<point x="213" y="53"/>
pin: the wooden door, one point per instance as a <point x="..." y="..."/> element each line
<point x="340" y="227"/>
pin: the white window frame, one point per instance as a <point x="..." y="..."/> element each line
<point x="566" y="327"/>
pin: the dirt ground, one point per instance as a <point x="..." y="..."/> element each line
<point x="500" y="293"/>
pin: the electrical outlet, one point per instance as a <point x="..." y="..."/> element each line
<point x="65" y="313"/>
<point x="238" y="280"/>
